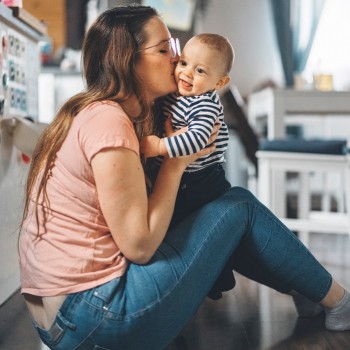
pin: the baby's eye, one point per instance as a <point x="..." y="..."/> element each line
<point x="200" y="70"/>
<point x="182" y="63"/>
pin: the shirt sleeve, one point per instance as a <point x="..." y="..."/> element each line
<point x="201" y="120"/>
<point x="107" y="126"/>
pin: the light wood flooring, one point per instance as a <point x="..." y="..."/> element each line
<point x="250" y="317"/>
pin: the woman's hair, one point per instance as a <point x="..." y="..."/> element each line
<point x="222" y="45"/>
<point x="109" y="56"/>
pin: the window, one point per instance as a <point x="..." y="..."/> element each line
<point x="330" y="53"/>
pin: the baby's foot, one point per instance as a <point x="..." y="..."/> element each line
<point x="338" y="317"/>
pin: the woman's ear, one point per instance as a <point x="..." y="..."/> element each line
<point x="222" y="82"/>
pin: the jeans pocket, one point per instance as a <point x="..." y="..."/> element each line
<point x="55" y="333"/>
<point x="51" y="336"/>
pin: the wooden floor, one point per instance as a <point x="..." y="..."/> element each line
<point x="250" y="317"/>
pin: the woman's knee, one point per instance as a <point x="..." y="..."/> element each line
<point x="240" y="194"/>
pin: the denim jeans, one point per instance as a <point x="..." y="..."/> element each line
<point x="148" y="306"/>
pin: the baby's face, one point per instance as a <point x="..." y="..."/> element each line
<point x="199" y="69"/>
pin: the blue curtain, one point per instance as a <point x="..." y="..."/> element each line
<point x="295" y="22"/>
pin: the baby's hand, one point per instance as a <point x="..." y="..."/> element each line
<point x="152" y="146"/>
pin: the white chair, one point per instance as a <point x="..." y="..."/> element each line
<point x="305" y="157"/>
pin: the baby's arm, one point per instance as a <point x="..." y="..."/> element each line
<point x="194" y="139"/>
<point x="153" y="146"/>
<point x="182" y="142"/>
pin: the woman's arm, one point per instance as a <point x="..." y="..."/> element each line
<point x="138" y="223"/>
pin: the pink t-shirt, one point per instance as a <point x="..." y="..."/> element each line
<point x="77" y="250"/>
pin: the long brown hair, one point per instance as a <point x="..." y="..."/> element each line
<point x="109" y="57"/>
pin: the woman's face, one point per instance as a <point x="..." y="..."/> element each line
<point x="155" y="66"/>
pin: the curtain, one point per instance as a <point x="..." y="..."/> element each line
<point x="296" y="23"/>
<point x="76" y="16"/>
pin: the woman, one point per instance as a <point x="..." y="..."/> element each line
<point x="98" y="268"/>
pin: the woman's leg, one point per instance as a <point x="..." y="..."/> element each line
<point x="334" y="295"/>
<point x="160" y="297"/>
<point x="150" y="304"/>
<point x="271" y="254"/>
<point x="243" y="262"/>
<point x="336" y="301"/>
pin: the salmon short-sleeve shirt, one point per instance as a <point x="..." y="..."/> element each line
<point x="75" y="250"/>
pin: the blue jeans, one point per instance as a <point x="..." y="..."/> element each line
<point x="148" y="306"/>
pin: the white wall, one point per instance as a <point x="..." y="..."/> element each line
<point x="248" y="24"/>
<point x="55" y="88"/>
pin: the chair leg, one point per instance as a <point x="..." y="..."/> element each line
<point x="278" y="192"/>
<point x="264" y="182"/>
<point x="326" y="198"/>
<point x="347" y="195"/>
<point x="304" y="204"/>
<point x="341" y="198"/>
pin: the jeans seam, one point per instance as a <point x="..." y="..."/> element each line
<point x="90" y="333"/>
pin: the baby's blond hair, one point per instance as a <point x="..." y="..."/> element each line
<point x="222" y="45"/>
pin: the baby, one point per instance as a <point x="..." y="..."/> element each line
<point x="203" y="68"/>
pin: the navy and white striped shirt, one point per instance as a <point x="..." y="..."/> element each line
<point x="199" y="114"/>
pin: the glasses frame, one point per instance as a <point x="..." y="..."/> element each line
<point x="175" y="48"/>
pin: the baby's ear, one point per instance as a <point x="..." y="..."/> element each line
<point x="222" y="82"/>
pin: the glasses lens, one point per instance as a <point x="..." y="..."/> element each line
<point x="175" y="47"/>
<point x="178" y="47"/>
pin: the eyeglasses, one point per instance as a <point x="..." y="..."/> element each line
<point x="173" y="47"/>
